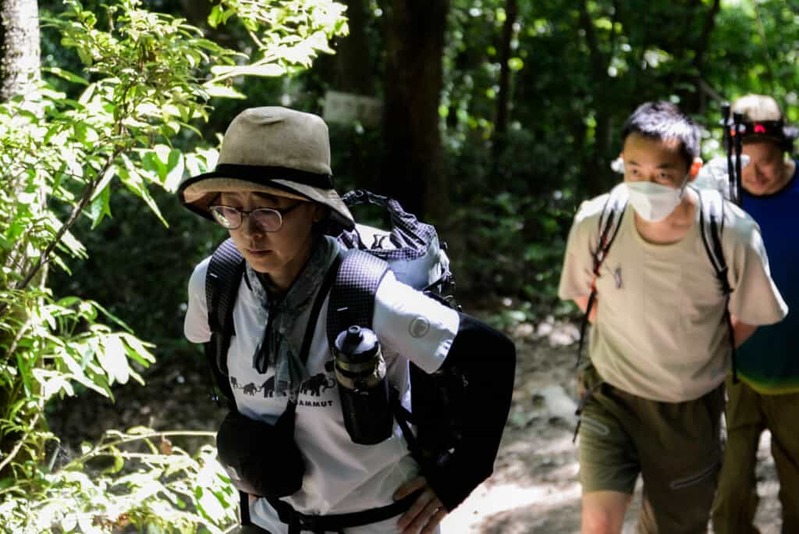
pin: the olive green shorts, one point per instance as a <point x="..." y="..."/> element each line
<point x="675" y="447"/>
<point x="749" y="413"/>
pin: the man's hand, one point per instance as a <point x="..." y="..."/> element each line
<point x="741" y="331"/>
<point x="425" y="513"/>
<point x="582" y="303"/>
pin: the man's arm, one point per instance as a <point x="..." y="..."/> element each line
<point x="741" y="331"/>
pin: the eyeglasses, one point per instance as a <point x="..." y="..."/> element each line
<point x="266" y="219"/>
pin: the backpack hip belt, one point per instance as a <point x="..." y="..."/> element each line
<point x="298" y="521"/>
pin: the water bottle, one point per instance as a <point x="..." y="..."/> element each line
<point x="362" y="385"/>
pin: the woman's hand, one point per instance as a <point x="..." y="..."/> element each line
<point x="425" y="513"/>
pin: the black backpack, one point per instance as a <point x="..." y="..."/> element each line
<point x="711" y="222"/>
<point x="411" y="249"/>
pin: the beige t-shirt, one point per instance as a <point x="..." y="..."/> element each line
<point x="660" y="331"/>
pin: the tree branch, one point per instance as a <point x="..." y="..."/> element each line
<point x="20" y="442"/>
<point x="73" y="217"/>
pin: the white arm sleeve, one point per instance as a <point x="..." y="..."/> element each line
<point x="195" y="326"/>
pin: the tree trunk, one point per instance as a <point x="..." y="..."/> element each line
<point x="353" y="63"/>
<point x="20" y="61"/>
<point x="413" y="166"/>
<point x="696" y="99"/>
<point x="20" y="71"/>
<point x="20" y="67"/>
<point x="352" y="69"/>
<point x="503" y="95"/>
<point x="595" y="164"/>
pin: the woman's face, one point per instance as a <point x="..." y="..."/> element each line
<point x="280" y="254"/>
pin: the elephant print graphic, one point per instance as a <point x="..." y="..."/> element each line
<point x="314" y="387"/>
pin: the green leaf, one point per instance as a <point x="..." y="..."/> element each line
<point x="269" y="70"/>
<point x="100" y="205"/>
<point x="66" y="75"/>
<point x="137" y="349"/>
<point x="113" y="359"/>
<point x="216" y="90"/>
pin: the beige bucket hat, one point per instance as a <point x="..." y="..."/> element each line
<point x="272" y="150"/>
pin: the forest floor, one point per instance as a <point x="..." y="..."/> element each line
<point x="534" y="487"/>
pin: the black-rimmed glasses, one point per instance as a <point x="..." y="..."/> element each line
<point x="267" y="219"/>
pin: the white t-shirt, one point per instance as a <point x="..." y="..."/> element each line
<point x="340" y="476"/>
<point x="660" y="331"/>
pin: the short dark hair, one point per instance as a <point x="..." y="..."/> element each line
<point x="664" y="121"/>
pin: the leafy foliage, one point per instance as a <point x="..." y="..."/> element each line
<point x="288" y="34"/>
<point x="129" y="479"/>
<point x="577" y="70"/>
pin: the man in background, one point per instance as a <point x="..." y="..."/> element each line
<point x="766" y="396"/>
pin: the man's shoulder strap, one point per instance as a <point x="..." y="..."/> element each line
<point x="225" y="270"/>
<point x="352" y="296"/>
<point x="609" y="223"/>
<point x="711" y="222"/>
<point x="711" y="226"/>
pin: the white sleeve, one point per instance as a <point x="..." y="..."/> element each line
<point x="195" y="325"/>
<point x="412" y="324"/>
<point x="755" y="299"/>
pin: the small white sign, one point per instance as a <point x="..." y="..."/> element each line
<point x="346" y="108"/>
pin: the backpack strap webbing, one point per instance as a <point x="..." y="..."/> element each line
<point x="609" y="223"/>
<point x="222" y="279"/>
<point x="352" y="297"/>
<point x="225" y="270"/>
<point x="711" y="218"/>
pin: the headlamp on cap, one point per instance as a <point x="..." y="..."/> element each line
<point x="773" y="129"/>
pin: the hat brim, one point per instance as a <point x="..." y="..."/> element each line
<point x="198" y="193"/>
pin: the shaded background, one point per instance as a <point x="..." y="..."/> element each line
<point x="496" y="118"/>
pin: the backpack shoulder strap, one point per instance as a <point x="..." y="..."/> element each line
<point x="352" y="296"/>
<point x="352" y="302"/>
<point x="221" y="288"/>
<point x="711" y="222"/>
<point x="609" y="224"/>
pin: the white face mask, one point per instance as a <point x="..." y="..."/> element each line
<point x="653" y="202"/>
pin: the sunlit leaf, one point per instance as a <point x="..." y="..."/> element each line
<point x="113" y="359"/>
